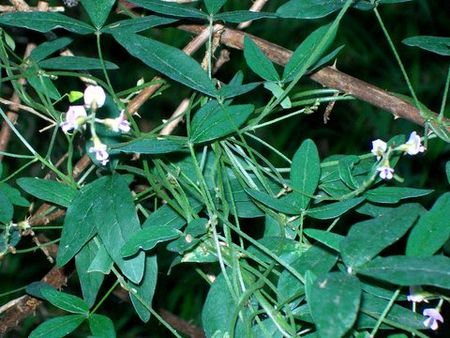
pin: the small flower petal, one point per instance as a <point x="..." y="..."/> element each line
<point x="413" y="146"/>
<point x="417" y="294"/>
<point x="433" y="318"/>
<point x="75" y="117"/>
<point x="379" y="147"/>
<point x="94" y="96"/>
<point x="386" y="172"/>
<point x="99" y="149"/>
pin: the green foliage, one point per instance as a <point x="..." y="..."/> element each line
<point x="435" y="44"/>
<point x="58" y="327"/>
<point x="47" y="190"/>
<point x="98" y="10"/>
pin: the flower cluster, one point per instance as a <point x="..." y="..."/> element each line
<point x="417" y="295"/>
<point x="77" y="117"/>
<point x="382" y="152"/>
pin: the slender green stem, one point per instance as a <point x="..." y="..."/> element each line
<point x="444" y="96"/>
<point x="385" y="312"/>
<point x="34" y="248"/>
<point x="7" y="293"/>
<point x="106" y="295"/>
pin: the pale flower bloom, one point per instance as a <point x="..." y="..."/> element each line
<point x="118" y="124"/>
<point x="378" y="148"/>
<point x="75" y="117"/>
<point x="386" y="172"/>
<point x="433" y="318"/>
<point x="417" y="294"/>
<point x="99" y="149"/>
<point x="413" y="146"/>
<point x="94" y="97"/>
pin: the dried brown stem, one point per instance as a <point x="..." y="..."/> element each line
<point x="328" y="76"/>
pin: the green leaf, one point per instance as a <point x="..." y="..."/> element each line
<point x="233" y="90"/>
<point x="102" y="262"/>
<point x="345" y="167"/>
<point x="302" y="59"/>
<point x="406" y="271"/>
<point x="317" y="259"/>
<point x="245" y="207"/>
<point x="447" y="170"/>
<point x="57" y="327"/>
<point x="75" y="63"/>
<point x="334" y="303"/>
<point x="367" y="239"/>
<point x="116" y="222"/>
<point x="79" y="223"/>
<point x="145" y="290"/>
<point x="171" y="9"/>
<point x="165" y="216"/>
<point x="90" y="281"/>
<point x="214" y="6"/>
<point x="45" y="22"/>
<point x="432" y="230"/>
<point x="98" y="10"/>
<point x="168" y="60"/>
<point x="394" y="194"/>
<point x="278" y="91"/>
<point x="273" y="203"/>
<point x="308" y="9"/>
<point x="151" y="145"/>
<point x="258" y="61"/>
<point x="44" y="85"/>
<point x="13" y="195"/>
<point x="373" y="308"/>
<point x="101" y="326"/>
<point x="242" y="16"/>
<point x="435" y="44"/>
<point x="65" y="301"/>
<point x="330" y="239"/>
<point x="47" y="190"/>
<point x="305" y="173"/>
<point x="148" y="238"/>
<point x="47" y="48"/>
<point x="215" y="120"/>
<point x="137" y="25"/>
<point x="333" y="210"/>
<point x="6" y="208"/>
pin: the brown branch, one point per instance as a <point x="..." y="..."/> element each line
<point x="14" y="9"/>
<point x="328" y="76"/>
<point x="182" y="325"/>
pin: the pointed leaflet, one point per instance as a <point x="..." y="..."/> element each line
<point x="98" y="10"/>
<point x="75" y="63"/>
<point x="49" y="191"/>
<point x="147" y="239"/>
<point x="258" y="61"/>
<point x="406" y="271"/>
<point x="102" y="261"/>
<point x="79" y="223"/>
<point x="151" y="145"/>
<point x="144" y="291"/>
<point x="137" y="24"/>
<point x="101" y="326"/>
<point x="367" y="239"/>
<point x="116" y="221"/>
<point x="333" y="210"/>
<point x="330" y="239"/>
<point x="334" y="303"/>
<point x="215" y="120"/>
<point x="57" y="327"/>
<point x="242" y="16"/>
<point x="65" y="301"/>
<point x="302" y="58"/>
<point x="170" y="8"/>
<point x="394" y="194"/>
<point x="45" y="22"/>
<point x="90" y="281"/>
<point x="47" y="48"/>
<point x="273" y="203"/>
<point x="168" y="60"/>
<point x="435" y="44"/>
<point x="305" y="173"/>
<point x="13" y="195"/>
<point x="213" y="6"/>
<point x="6" y="208"/>
<point x="432" y="230"/>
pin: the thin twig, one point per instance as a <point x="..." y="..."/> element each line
<point x="5" y="9"/>
<point x="256" y="7"/>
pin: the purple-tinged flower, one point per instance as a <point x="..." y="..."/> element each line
<point x="118" y="124"/>
<point x="94" y="97"/>
<point x="413" y="146"/>
<point x="378" y="148"/>
<point x="386" y="172"/>
<point x="433" y="318"/>
<point x="417" y="294"/>
<point x="99" y="149"/>
<point x="75" y="118"/>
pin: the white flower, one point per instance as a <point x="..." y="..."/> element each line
<point x="378" y="148"/>
<point x="386" y="172"/>
<point x="417" y="294"/>
<point x="75" y="117"/>
<point x="99" y="149"/>
<point x="118" y="124"/>
<point x="94" y="97"/>
<point x="433" y="318"/>
<point x="413" y="146"/>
